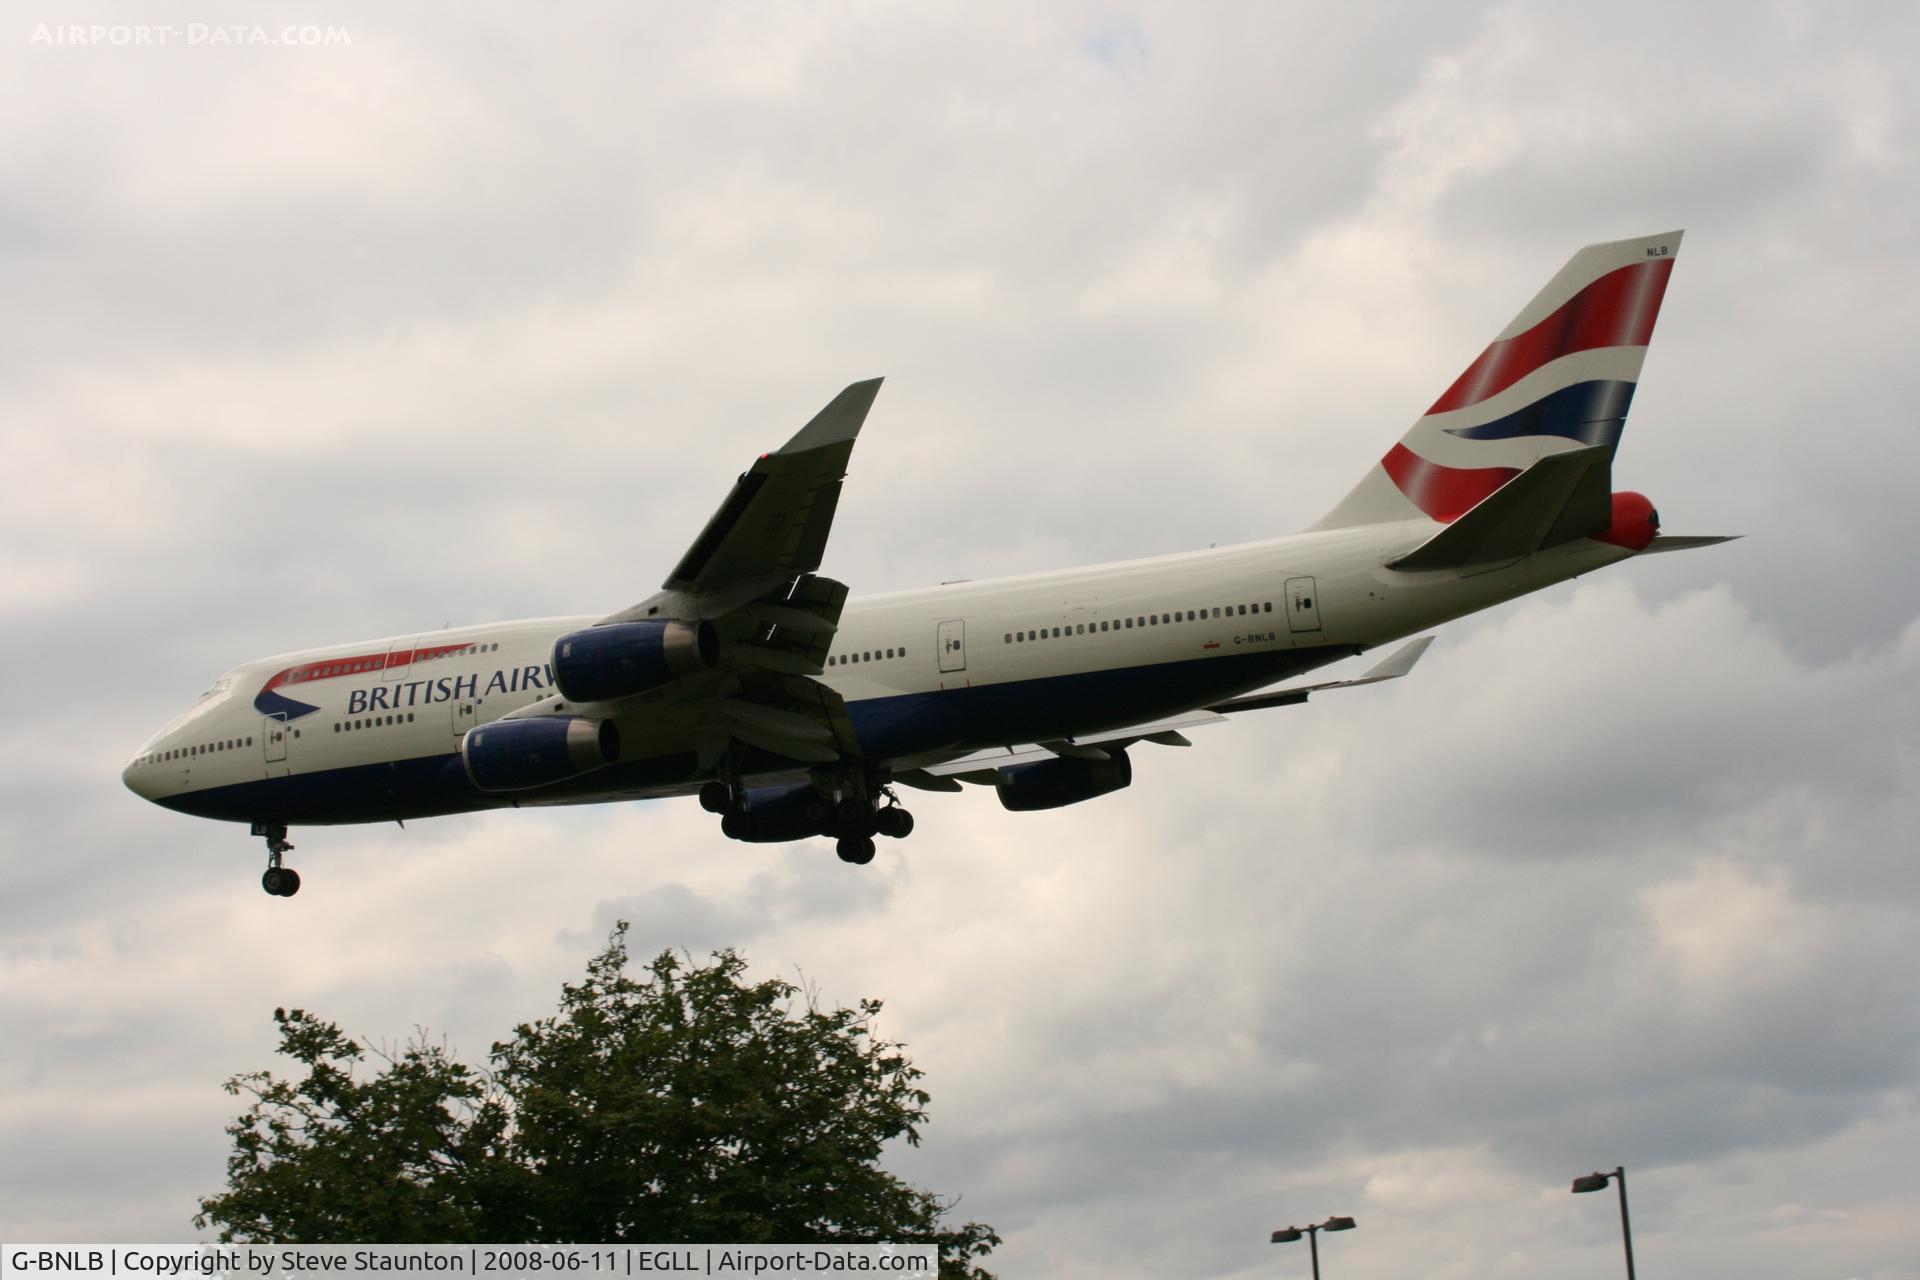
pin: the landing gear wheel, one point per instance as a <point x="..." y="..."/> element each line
<point x="716" y="797"/>
<point x="855" y="849"/>
<point x="281" y="882"/>
<point x="735" y="826"/>
<point x="894" y="822"/>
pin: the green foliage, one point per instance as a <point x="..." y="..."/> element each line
<point x="689" y="1107"/>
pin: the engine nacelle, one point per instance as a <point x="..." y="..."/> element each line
<point x="1635" y="522"/>
<point x="625" y="658"/>
<point x="515" y="755"/>
<point x="1064" y="780"/>
<point x="775" y="815"/>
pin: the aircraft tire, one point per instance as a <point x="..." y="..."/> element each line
<point x="281" y="882"/>
<point x="715" y="798"/>
<point x="735" y="826"/>
<point x="895" y="823"/>
<point x="855" y="849"/>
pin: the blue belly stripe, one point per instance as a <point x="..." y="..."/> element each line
<point x="963" y="719"/>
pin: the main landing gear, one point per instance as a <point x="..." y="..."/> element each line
<point x="281" y="882"/>
<point x="861" y="824"/>
<point x="851" y="806"/>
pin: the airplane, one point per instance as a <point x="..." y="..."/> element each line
<point x="793" y="710"/>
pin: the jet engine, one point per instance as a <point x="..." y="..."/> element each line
<point x="624" y="658"/>
<point x="515" y="755"/>
<point x="774" y="815"/>
<point x="1049" y="784"/>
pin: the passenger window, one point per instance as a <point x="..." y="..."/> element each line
<point x="1009" y="638"/>
<point x="1243" y="611"/>
<point x="1056" y="633"/>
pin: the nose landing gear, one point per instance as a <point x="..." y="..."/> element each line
<point x="280" y="881"/>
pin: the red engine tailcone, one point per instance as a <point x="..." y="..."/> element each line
<point x="1635" y="522"/>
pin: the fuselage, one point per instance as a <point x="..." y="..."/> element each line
<point x="370" y="731"/>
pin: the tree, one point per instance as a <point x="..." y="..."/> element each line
<point x="692" y="1106"/>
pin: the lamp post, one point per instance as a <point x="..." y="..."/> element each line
<point x="1290" y="1234"/>
<point x="1597" y="1181"/>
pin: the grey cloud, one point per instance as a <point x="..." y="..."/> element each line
<point x="476" y="319"/>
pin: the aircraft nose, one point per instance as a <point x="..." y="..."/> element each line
<point x="137" y="778"/>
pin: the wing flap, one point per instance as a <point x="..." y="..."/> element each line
<point x="979" y="766"/>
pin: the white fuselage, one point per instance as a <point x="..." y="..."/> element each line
<point x="370" y="731"/>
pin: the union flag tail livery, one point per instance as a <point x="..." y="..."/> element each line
<point x="795" y="709"/>
<point x="1559" y="378"/>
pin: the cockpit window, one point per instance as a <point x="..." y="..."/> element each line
<point x="221" y="685"/>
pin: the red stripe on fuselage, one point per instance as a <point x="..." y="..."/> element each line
<point x="1444" y="493"/>
<point x="1617" y="310"/>
<point x="355" y="665"/>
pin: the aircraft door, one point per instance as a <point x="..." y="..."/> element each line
<point x="399" y="663"/>
<point x="273" y="738"/>
<point x="953" y="646"/>
<point x="1303" y="605"/>
<point x="466" y="713"/>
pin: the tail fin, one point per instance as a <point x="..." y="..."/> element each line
<point x="1559" y="377"/>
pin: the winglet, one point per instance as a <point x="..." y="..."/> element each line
<point x="839" y="422"/>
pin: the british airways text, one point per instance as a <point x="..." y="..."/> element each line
<point x="413" y="693"/>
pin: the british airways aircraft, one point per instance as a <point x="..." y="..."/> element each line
<point x="795" y="711"/>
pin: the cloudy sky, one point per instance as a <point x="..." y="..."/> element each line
<point x="476" y="319"/>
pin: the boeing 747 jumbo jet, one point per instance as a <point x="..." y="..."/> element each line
<point x="794" y="711"/>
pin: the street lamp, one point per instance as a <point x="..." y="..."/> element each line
<point x="1312" y="1233"/>
<point x="1598" y="1182"/>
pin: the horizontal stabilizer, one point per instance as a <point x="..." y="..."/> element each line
<point x="1561" y="497"/>
<point x="1687" y="542"/>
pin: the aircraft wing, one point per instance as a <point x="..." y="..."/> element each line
<point x="772" y="526"/>
<point x="749" y="575"/>
<point x="981" y="766"/>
